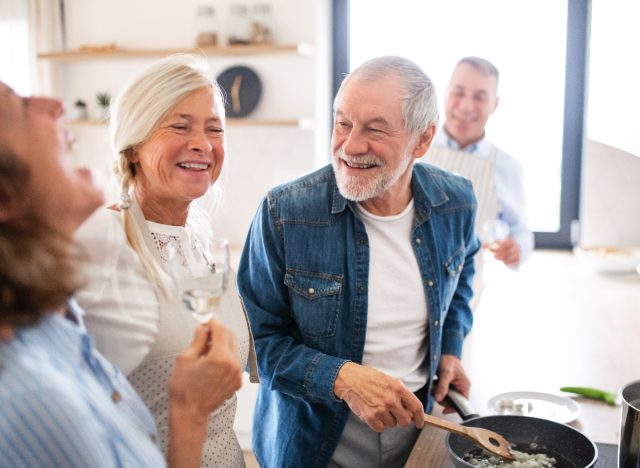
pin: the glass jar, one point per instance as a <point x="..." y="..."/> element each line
<point x="239" y="24"/>
<point x="262" y="24"/>
<point x="206" y="26"/>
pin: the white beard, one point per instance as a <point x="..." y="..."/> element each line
<point x="359" y="189"/>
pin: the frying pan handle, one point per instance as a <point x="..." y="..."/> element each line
<point x="461" y="405"/>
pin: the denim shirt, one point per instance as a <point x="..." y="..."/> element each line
<point x="303" y="277"/>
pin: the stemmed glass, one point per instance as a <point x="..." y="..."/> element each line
<point x="493" y="233"/>
<point x="201" y="288"/>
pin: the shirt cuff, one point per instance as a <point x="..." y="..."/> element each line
<point x="321" y="376"/>
<point x="452" y="342"/>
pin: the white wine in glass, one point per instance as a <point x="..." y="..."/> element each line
<point x="493" y="233"/>
<point x="202" y="290"/>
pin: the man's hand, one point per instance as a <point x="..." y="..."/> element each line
<point x="377" y="399"/>
<point x="206" y="374"/>
<point x="450" y="373"/>
<point x="507" y="251"/>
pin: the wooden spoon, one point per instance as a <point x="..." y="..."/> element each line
<point x="488" y="440"/>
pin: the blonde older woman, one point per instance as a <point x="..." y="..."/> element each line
<point x="167" y="129"/>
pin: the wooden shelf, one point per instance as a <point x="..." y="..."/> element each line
<point x="301" y="123"/>
<point x="122" y="53"/>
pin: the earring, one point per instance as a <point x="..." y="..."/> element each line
<point x="125" y="201"/>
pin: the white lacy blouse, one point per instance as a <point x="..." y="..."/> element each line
<point x="142" y="332"/>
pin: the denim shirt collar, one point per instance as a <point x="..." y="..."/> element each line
<point x="338" y="202"/>
<point x="427" y="194"/>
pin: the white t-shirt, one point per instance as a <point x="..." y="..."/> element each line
<point x="396" y="339"/>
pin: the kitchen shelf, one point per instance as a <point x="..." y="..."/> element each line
<point x="110" y="53"/>
<point x="300" y="123"/>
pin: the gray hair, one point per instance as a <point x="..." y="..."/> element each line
<point x="135" y="114"/>
<point x="419" y="103"/>
<point x="482" y="65"/>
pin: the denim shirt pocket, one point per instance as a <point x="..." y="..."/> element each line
<point x="452" y="269"/>
<point x="315" y="301"/>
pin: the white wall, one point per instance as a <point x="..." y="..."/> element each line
<point x="610" y="202"/>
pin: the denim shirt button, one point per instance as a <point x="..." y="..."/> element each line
<point x="311" y="291"/>
<point x="418" y="241"/>
<point x="430" y="283"/>
<point x="436" y="323"/>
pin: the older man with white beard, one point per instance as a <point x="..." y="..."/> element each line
<point x="357" y="279"/>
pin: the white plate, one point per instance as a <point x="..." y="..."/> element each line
<point x="540" y="405"/>
<point x="610" y="260"/>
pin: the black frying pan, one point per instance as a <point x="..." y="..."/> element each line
<point x="571" y="448"/>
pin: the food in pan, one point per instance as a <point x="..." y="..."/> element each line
<point x="531" y="458"/>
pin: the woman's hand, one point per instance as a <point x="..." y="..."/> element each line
<point x="206" y="374"/>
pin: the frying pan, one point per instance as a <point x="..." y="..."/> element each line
<point x="571" y="448"/>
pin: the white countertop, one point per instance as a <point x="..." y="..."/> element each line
<point x="556" y="323"/>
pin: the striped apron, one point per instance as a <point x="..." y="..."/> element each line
<point x="481" y="172"/>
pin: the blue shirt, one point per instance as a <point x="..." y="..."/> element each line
<point x="303" y="277"/>
<point x="63" y="405"/>
<point x="509" y="188"/>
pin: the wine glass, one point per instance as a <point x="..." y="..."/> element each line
<point x="201" y="286"/>
<point x="493" y="233"/>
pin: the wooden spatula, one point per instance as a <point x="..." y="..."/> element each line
<point x="488" y="440"/>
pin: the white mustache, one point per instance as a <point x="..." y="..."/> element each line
<point x="369" y="158"/>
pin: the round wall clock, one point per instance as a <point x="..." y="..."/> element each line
<point x="242" y="89"/>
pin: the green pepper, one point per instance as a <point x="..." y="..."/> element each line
<point x="594" y="393"/>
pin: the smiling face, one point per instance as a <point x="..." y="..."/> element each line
<point x="372" y="150"/>
<point x="471" y="99"/>
<point x="57" y="194"/>
<point x="182" y="157"/>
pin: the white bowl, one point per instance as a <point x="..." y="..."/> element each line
<point x="615" y="260"/>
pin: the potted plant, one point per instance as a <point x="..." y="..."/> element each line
<point x="80" y="110"/>
<point x="104" y="100"/>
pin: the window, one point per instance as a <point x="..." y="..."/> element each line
<point x="613" y="75"/>
<point x="14" y="45"/>
<point x="539" y="48"/>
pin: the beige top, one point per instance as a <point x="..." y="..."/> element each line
<point x="481" y="172"/>
<point x="143" y="332"/>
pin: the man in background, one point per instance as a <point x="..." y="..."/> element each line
<point x="462" y="147"/>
